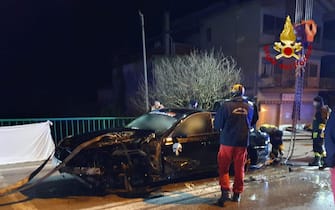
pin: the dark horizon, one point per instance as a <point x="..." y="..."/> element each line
<point x="55" y="55"/>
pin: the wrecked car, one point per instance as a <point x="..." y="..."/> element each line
<point x="157" y="146"/>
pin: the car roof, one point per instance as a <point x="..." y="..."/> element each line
<point x="179" y="111"/>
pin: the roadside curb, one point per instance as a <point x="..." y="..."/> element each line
<point x="25" y="165"/>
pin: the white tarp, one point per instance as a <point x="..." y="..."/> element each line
<point x="25" y="143"/>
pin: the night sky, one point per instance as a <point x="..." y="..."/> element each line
<point x="54" y="55"/>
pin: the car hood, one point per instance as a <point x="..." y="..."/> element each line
<point x="108" y="137"/>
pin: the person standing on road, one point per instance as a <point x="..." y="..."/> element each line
<point x="330" y="148"/>
<point x="193" y="104"/>
<point x="157" y="106"/>
<point x="319" y="123"/>
<point x="234" y="119"/>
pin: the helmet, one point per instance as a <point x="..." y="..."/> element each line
<point x="237" y="90"/>
<point x="318" y="101"/>
<point x="194" y="104"/>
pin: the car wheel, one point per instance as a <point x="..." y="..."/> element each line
<point x="132" y="191"/>
<point x="253" y="156"/>
<point x="135" y="176"/>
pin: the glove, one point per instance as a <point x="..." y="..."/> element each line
<point x="322" y="126"/>
<point x="322" y="134"/>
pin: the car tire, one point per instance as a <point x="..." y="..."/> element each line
<point x="134" y="191"/>
<point x="136" y="179"/>
<point x="253" y="156"/>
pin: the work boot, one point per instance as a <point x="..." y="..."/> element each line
<point x="224" y="197"/>
<point x="236" y="197"/>
<point x="316" y="161"/>
<point x="323" y="164"/>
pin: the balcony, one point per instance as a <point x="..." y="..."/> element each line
<point x="312" y="82"/>
<point x="266" y="82"/>
<point x="279" y="81"/>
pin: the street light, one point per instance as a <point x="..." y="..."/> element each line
<point x="144" y="63"/>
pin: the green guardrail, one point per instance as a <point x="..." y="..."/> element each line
<point x="63" y="127"/>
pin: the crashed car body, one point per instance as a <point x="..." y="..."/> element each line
<point x="160" y="145"/>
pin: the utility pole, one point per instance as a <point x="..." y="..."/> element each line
<point x="144" y="63"/>
<point x="167" y="41"/>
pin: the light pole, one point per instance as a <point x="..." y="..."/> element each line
<point x="144" y="63"/>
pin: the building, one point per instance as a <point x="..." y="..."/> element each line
<point x="128" y="91"/>
<point x="243" y="30"/>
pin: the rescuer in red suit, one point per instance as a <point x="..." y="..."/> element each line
<point x="234" y="119"/>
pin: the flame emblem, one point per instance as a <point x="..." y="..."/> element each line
<point x="287" y="47"/>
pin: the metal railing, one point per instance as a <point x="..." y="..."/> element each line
<point x="63" y="127"/>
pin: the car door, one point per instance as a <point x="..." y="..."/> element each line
<point x="211" y="144"/>
<point x="184" y="149"/>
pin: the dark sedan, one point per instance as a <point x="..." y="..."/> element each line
<point x="160" y="145"/>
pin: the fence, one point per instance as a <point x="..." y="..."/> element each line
<point x="63" y="127"/>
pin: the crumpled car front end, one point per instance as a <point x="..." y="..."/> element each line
<point x="120" y="160"/>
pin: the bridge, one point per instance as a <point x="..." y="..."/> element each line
<point x="63" y="127"/>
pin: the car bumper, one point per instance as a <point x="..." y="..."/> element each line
<point x="55" y="162"/>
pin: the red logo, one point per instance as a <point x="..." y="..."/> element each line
<point x="301" y="62"/>
<point x="289" y="47"/>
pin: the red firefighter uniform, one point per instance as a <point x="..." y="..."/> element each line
<point x="234" y="119"/>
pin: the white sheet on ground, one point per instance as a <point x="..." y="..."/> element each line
<point x="25" y="143"/>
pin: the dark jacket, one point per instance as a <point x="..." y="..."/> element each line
<point x="330" y="140"/>
<point x="320" y="118"/>
<point x="234" y="119"/>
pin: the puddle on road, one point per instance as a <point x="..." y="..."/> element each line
<point x="303" y="187"/>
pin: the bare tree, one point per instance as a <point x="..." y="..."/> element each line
<point x="202" y="76"/>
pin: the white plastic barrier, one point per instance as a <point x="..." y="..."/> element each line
<point x="26" y="143"/>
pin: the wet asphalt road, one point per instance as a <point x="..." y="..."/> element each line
<point x="272" y="187"/>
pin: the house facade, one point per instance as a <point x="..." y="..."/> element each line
<point x="244" y="30"/>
